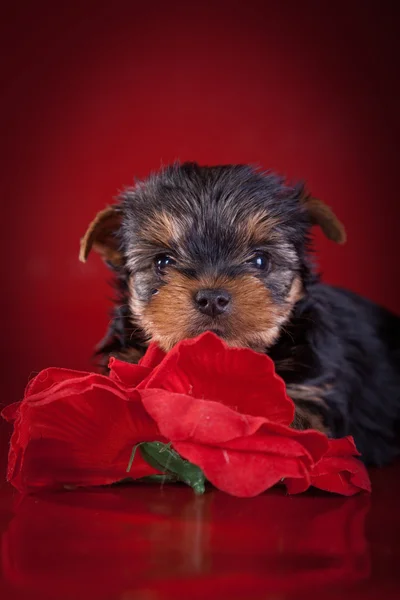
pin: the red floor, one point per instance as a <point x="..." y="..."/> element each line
<point x="146" y="543"/>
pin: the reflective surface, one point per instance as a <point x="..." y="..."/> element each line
<point x="146" y="543"/>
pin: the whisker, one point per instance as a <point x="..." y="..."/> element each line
<point x="287" y="332"/>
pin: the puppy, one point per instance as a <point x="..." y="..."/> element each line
<point x="227" y="249"/>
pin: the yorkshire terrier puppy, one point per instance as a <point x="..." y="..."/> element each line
<point x="227" y="249"/>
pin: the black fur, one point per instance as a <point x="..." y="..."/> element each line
<point x="335" y="340"/>
<point x="122" y="334"/>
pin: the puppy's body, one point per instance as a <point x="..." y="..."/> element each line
<point x="347" y="348"/>
<point x="227" y="249"/>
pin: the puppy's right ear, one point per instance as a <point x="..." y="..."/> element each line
<point x="101" y="235"/>
<point x="322" y="215"/>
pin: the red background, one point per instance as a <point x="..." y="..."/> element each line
<point x="93" y="96"/>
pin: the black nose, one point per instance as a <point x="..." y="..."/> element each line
<point x="212" y="302"/>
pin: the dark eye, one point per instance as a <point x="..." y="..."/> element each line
<point x="259" y="261"/>
<point x="162" y="262"/>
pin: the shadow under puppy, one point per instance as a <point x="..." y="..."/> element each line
<point x="227" y="249"/>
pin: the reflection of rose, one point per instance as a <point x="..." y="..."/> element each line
<point x="222" y="409"/>
<point x="173" y="544"/>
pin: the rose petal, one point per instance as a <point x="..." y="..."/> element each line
<point x="239" y="473"/>
<point x="338" y="471"/>
<point x="79" y="435"/>
<point x="342" y="447"/>
<point x="10" y="412"/>
<point x="342" y="475"/>
<point x="277" y="439"/>
<point x="126" y="373"/>
<point x="180" y="417"/>
<point x="153" y="357"/>
<point x="240" y="378"/>
<point x="48" y="377"/>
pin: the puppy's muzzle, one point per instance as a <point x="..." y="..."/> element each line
<point x="213" y="302"/>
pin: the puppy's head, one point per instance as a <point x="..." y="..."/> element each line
<point x="211" y="248"/>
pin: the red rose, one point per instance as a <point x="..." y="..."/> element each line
<point x="222" y="409"/>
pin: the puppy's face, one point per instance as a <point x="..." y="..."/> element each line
<point x="198" y="270"/>
<point x="218" y="249"/>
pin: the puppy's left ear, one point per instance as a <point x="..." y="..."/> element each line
<point x="322" y="215"/>
<point x="101" y="235"/>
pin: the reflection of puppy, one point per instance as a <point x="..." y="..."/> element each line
<point x="226" y="249"/>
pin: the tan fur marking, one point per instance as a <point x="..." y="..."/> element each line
<point x="162" y="228"/>
<point x="285" y="364"/>
<point x="308" y="393"/>
<point x="265" y="339"/>
<point x="257" y="228"/>
<point x="323" y="215"/>
<point x="304" y="419"/>
<point x="296" y="291"/>
<point x="134" y="302"/>
<point x="254" y="322"/>
<point x="130" y="355"/>
<point x="100" y="236"/>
